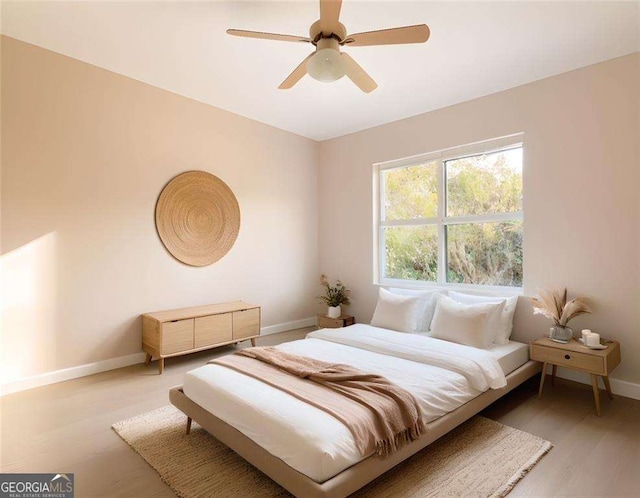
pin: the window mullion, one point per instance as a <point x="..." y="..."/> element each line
<point x="442" y="235"/>
<point x="414" y="222"/>
<point x="382" y="255"/>
<point x="381" y="185"/>
<point x="483" y="218"/>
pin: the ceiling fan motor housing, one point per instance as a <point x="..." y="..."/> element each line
<point x="339" y="33"/>
<point x="328" y="43"/>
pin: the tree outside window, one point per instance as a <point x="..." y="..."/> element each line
<point x="456" y="218"/>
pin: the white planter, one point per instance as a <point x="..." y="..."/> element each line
<point x="334" y="312"/>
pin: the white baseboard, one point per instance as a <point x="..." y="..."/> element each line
<point x="284" y="327"/>
<point x="47" y="378"/>
<point x="621" y="387"/>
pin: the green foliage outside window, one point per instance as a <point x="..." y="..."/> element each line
<point x="485" y="184"/>
<point x="483" y="253"/>
<point x="412" y="253"/>
<point x="411" y="192"/>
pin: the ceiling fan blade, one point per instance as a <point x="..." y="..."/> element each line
<point x="296" y="75"/>
<point x="267" y="36"/>
<point x="407" y="34"/>
<point x="330" y="16"/>
<point x="358" y="75"/>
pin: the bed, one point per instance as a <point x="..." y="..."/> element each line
<point x="310" y="453"/>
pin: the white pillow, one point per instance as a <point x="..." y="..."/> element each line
<point x="396" y="312"/>
<point x="428" y="299"/>
<point x="505" y="325"/>
<point x="469" y="324"/>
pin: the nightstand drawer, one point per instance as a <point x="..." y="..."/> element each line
<point x="571" y="359"/>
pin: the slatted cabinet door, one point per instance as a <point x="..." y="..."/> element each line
<point x="213" y="329"/>
<point x="177" y="336"/>
<point x="246" y="323"/>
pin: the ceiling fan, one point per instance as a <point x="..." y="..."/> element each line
<point x="328" y="34"/>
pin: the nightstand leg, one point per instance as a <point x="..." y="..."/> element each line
<point x="544" y="374"/>
<point x="188" y="425"/>
<point x="147" y="359"/>
<point x="596" y="392"/>
<point x="607" y="386"/>
<point x="253" y="342"/>
<point x="553" y="375"/>
<point x="160" y="365"/>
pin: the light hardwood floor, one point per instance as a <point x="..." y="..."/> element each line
<point x="66" y="427"/>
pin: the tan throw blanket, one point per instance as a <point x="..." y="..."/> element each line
<point x="381" y="415"/>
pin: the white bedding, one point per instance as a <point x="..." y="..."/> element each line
<point x="441" y="375"/>
<point x="510" y="356"/>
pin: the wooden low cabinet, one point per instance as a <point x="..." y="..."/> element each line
<point x="187" y="330"/>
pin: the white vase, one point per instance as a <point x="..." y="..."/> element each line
<point x="334" y="312"/>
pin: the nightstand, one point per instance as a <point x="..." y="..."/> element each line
<point x="324" y="322"/>
<point x="597" y="362"/>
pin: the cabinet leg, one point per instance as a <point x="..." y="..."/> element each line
<point x="542" y="376"/>
<point x="253" y="342"/>
<point x="554" y="369"/>
<point x="607" y="386"/>
<point x="188" y="425"/>
<point x="596" y="393"/>
<point x="147" y="359"/>
<point x="160" y="365"/>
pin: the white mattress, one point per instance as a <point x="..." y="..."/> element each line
<point x="511" y="355"/>
<point x="309" y="439"/>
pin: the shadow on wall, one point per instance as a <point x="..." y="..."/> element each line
<point x="525" y="326"/>
<point x="29" y="308"/>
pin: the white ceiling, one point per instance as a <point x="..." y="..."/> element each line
<point x="475" y="49"/>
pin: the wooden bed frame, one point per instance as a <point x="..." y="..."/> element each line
<point x="356" y="476"/>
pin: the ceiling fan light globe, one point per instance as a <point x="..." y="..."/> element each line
<point x="326" y="65"/>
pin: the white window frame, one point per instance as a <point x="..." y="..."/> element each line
<point x="440" y="220"/>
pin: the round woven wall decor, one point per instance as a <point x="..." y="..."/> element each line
<point x="197" y="218"/>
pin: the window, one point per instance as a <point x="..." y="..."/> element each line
<point x="452" y="217"/>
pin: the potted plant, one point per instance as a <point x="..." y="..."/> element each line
<point x="334" y="296"/>
<point x="554" y="305"/>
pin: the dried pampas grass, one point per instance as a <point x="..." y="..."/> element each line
<point x="553" y="304"/>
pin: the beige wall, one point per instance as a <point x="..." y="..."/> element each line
<point x="581" y="191"/>
<point x="85" y="153"/>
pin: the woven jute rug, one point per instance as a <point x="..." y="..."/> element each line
<point x="480" y="458"/>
